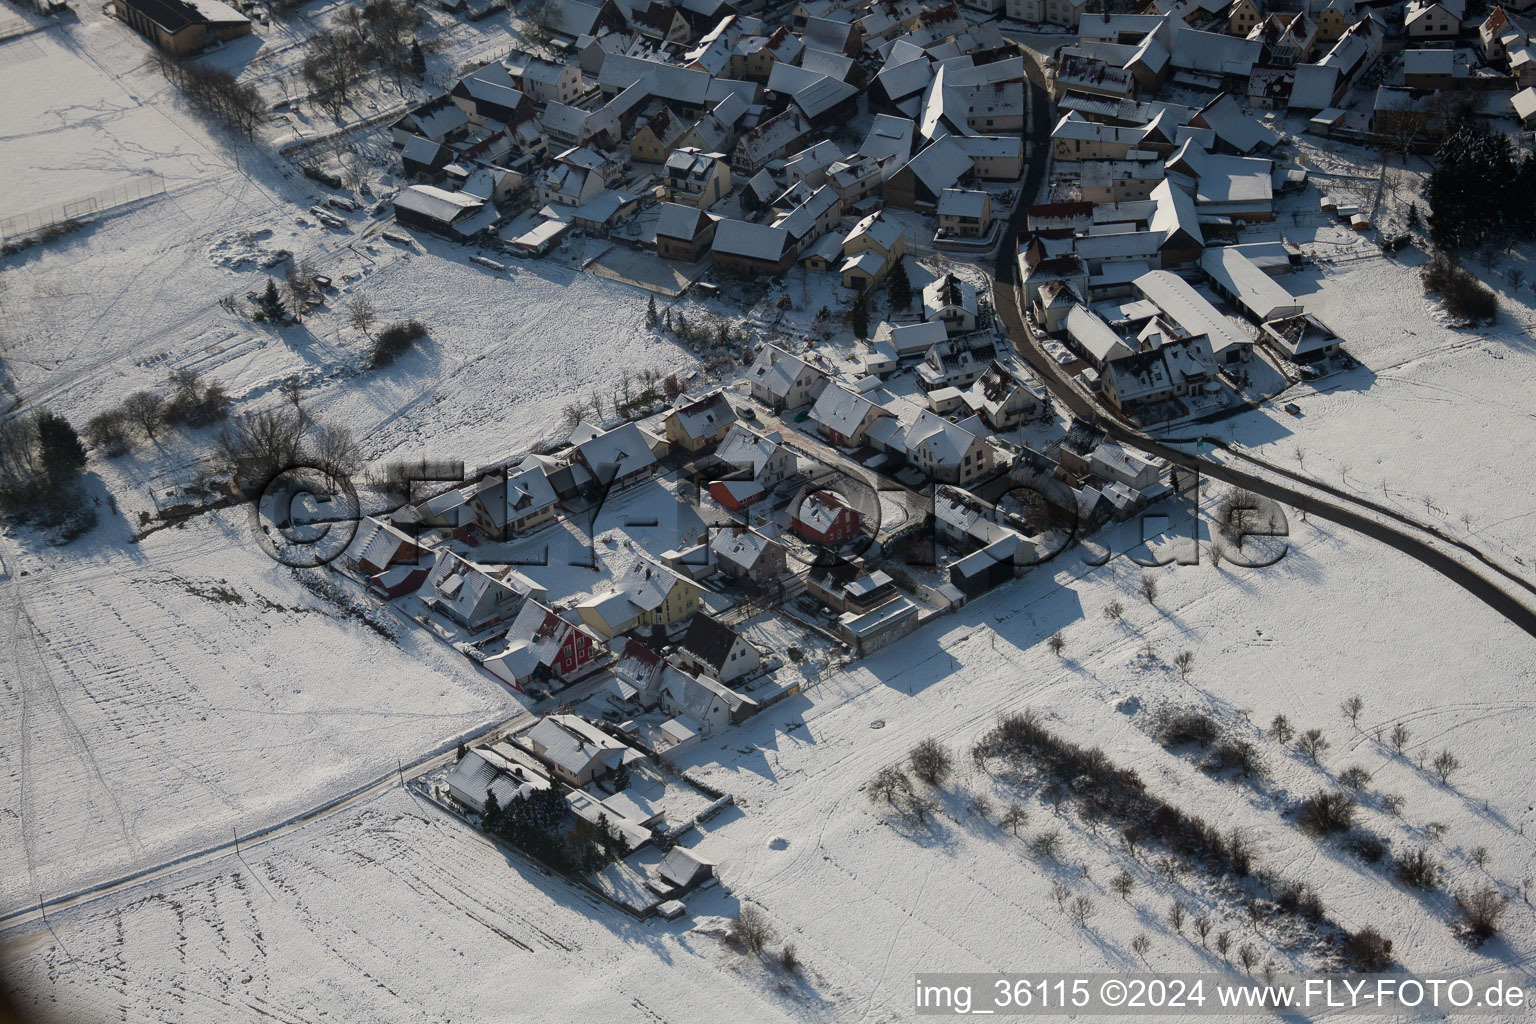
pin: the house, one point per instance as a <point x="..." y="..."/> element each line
<point x="542" y="645"/>
<point x="842" y="416"/>
<point x="701" y="706"/>
<point x="910" y="341"/>
<point x="747" y="554"/>
<point x="697" y="424"/>
<point x="1093" y="339"/>
<point x="964" y="213"/>
<point x="712" y="648"/>
<point x="947" y="452"/>
<point x="844" y="587"/>
<point x="435" y="120"/>
<point x="488" y="95"/>
<point x="500" y="769"/>
<point x="616" y="458"/>
<point x="650" y="596"/>
<point x="953" y="302"/>
<point x="683" y="233"/>
<point x="1433" y="19"/>
<point x="475" y="596"/>
<point x="544" y="81"/>
<point x="1004" y="399"/>
<point x="380" y="544"/>
<point x="1179" y="302"/>
<point x="695" y="178"/>
<point x="513" y="501"/>
<point x="825" y="518"/>
<point x="783" y="381"/>
<point x="1136" y="383"/>
<point x="1236" y="132"/>
<point x="1500" y="37"/>
<point x="752" y="250"/>
<point x="735" y="495"/>
<point x="870" y="250"/>
<point x="575" y="177"/>
<point x="1302" y="338"/>
<point x="767" y="461"/>
<point x="1109" y="461"/>
<point x="658" y="137"/>
<point x="812" y="217"/>
<point x="869" y="631"/>
<point x="680" y="871"/>
<point x="955" y="362"/>
<point x="576" y="750"/>
<point x="182" y="27"/>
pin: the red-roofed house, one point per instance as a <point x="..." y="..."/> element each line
<point x="825" y="518"/>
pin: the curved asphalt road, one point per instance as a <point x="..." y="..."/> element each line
<point x="1006" y="302"/>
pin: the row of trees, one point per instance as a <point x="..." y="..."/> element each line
<point x="215" y="92"/>
<point x="191" y="402"/>
<point x="1480" y="192"/>
<point x="535" y="824"/>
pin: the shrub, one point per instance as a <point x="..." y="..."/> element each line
<point x="1368" y="846"/>
<point x="931" y="763"/>
<point x="1481" y="910"/>
<point x="1324" y="813"/>
<point x="394" y="340"/>
<point x="108" y="431"/>
<point x="1185" y="727"/>
<point x="1367" y="950"/>
<point x="1417" y="869"/>
<point x="1463" y="295"/>
<point x="1239" y="756"/>
<point x="789" y="960"/>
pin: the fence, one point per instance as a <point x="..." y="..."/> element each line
<point x="33" y="221"/>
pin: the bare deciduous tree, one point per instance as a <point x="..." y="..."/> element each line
<point x="1399" y="737"/>
<point x="1351" y="709"/>
<point x="931" y="763"/>
<point x="1015" y="818"/>
<point x="1123" y="885"/>
<point x="360" y="312"/>
<point x="1445" y="765"/>
<point x="1203" y="927"/>
<point x="1313" y="744"/>
<point x="1081" y="909"/>
<point x="1141" y="945"/>
<point x="1280" y="729"/>
<point x="751" y="929"/>
<point x="1176" y="914"/>
<point x="888" y="784"/>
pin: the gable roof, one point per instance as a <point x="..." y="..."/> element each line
<point x="708" y="641"/>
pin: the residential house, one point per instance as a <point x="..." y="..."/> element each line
<point x="783" y="381"/>
<point x="1243" y="17"/>
<point x="655" y="140"/>
<point x="454" y="214"/>
<point x="952" y="301"/>
<point x="616" y="458"/>
<point x="544" y="81"/>
<point x="697" y="179"/>
<point x="1005" y="399"/>
<point x="955" y="362"/>
<point x="1433" y="19"/>
<point x="650" y="596"/>
<point x="475" y="596"/>
<point x="712" y="648"/>
<point x="1301" y="339"/>
<point x="702" y="706"/>
<point x="843" y="416"/>
<point x="380" y="544"/>
<point x="765" y="459"/>
<point x="825" y="518"/>
<point x="513" y="501"/>
<point x="577" y="751"/>
<point x="964" y="213"/>
<point x="543" y="646"/>
<point x="947" y="452"/>
<point x="500" y="769"/>
<point x="576" y="176"/>
<point x="683" y="233"/>
<point x="747" y="554"/>
<point x="870" y="250"/>
<point x="488" y="95"/>
<point x="694" y="425"/>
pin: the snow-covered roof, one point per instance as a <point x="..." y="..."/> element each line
<point x="1175" y="297"/>
<point x="958" y="202"/>
<point x="678" y="221"/>
<point x="754" y="241"/>
<point x="436" y="203"/>
<point x="1253" y="289"/>
<point x="1094" y="335"/>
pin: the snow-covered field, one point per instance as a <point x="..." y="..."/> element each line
<point x="168" y="692"/>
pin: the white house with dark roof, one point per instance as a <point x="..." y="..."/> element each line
<point x="710" y="647"/>
<point x="475" y="596"/>
<point x="843" y="416"/>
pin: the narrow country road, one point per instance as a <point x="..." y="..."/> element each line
<point x="1362" y="518"/>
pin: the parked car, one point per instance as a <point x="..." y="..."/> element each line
<point x="1293" y="408"/>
